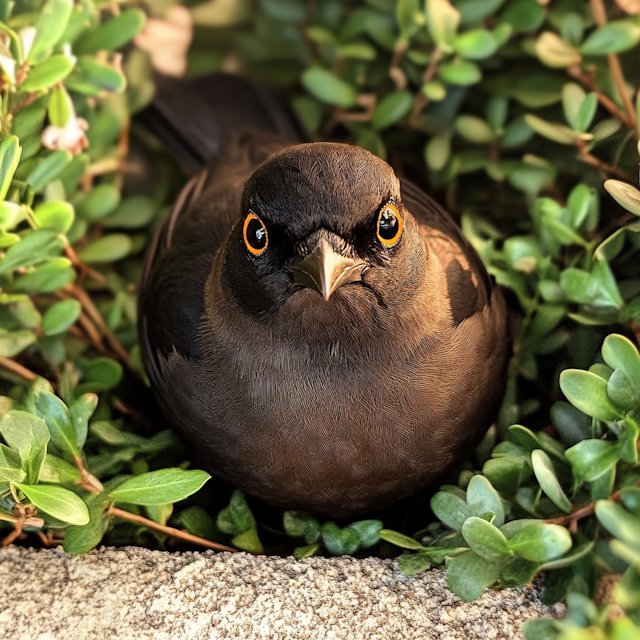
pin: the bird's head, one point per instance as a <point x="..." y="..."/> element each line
<point x="321" y="226"/>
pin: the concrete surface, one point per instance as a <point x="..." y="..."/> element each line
<point x="137" y="594"/>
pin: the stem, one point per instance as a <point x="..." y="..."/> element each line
<point x="575" y="72"/>
<point x="15" y="534"/>
<point x="18" y="369"/>
<point x="170" y="531"/>
<point x="583" y="512"/>
<point x="94" y="314"/>
<point x="421" y="101"/>
<point x="87" y="481"/>
<point x="600" y="17"/>
<point x="590" y="159"/>
<point x="82" y="267"/>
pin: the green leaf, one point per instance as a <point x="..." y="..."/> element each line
<point x="80" y="411"/>
<point x="614" y="37"/>
<point x="438" y="151"/>
<point x="357" y="51"/>
<point x="576" y="554"/>
<point x="626" y="195"/>
<point x="631" y="499"/>
<point x="556" y="132"/>
<point x="586" y="112"/>
<point x="105" y="372"/>
<point x="497" y="110"/>
<point x="411" y="564"/>
<point x="541" y="542"/>
<point x="241" y="515"/>
<point x="620" y="353"/>
<point x="588" y="392"/>
<point x="339" y="542"/>
<point x="300" y="553"/>
<point x="399" y="539"/>
<point x="198" y="522"/>
<point x="160" y="487"/>
<point x="248" y="541"/>
<point x="57" y="471"/>
<point x="368" y="532"/>
<point x="46" y="74"/>
<point x="10" y="466"/>
<point x="60" y="316"/>
<point x="523" y="15"/>
<point x="28" y="435"/>
<point x="13" y="342"/>
<point x="99" y="202"/>
<point x="10" y="152"/>
<point x="468" y="574"/>
<point x="554" y="52"/>
<point x="442" y="23"/>
<point x="80" y="539"/>
<point x="55" y="413"/>
<point x="91" y="78"/>
<point x="60" y="107"/>
<point x="485" y="539"/>
<point x="54" y="215"/>
<point x="49" y="169"/>
<point x="476" y="44"/>
<point x="541" y="629"/>
<point x="589" y="459"/>
<point x="473" y="129"/>
<point x="392" y="108"/>
<point x="482" y="498"/>
<point x="134" y="212"/>
<point x="450" y="509"/>
<point x="407" y="12"/>
<point x="109" y="248"/>
<point x="460" y="73"/>
<point x="50" y="26"/>
<point x="434" y="90"/>
<point x="301" y="524"/>
<point x="546" y="476"/>
<point x="112" y="34"/>
<point x="618" y="521"/>
<point x="57" y="502"/>
<point x="328" y="88"/>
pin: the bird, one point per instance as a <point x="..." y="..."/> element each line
<point x="315" y="328"/>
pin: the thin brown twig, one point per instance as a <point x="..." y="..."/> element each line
<point x="18" y="369"/>
<point x="576" y="72"/>
<point x="421" y="101"/>
<point x="15" y="534"/>
<point x="590" y="159"/>
<point x="94" y="314"/>
<point x="170" y="531"/>
<point x="93" y="335"/>
<point x="600" y="17"/>
<point x="583" y="512"/>
<point x="82" y="267"/>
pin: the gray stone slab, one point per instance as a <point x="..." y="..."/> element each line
<point x="137" y="594"/>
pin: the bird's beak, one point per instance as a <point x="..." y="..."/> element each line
<point x="324" y="270"/>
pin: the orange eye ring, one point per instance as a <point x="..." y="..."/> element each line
<point x="255" y="234"/>
<point x="389" y="228"/>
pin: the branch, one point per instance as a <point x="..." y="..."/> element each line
<point x="590" y="159"/>
<point x="600" y="17"/>
<point x="421" y="101"/>
<point x="575" y="72"/>
<point x="18" y="369"/>
<point x="583" y="512"/>
<point x="170" y="531"/>
<point x="15" y="534"/>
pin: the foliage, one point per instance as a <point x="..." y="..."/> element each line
<point x="520" y="116"/>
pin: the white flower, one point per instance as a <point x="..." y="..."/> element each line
<point x="71" y="137"/>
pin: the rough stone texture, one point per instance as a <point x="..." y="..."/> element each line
<point x="132" y="593"/>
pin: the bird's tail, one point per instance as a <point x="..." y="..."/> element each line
<point x="194" y="118"/>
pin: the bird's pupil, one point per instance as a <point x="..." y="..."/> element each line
<point x="388" y="225"/>
<point x="256" y="234"/>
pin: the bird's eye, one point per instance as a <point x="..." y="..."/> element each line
<point x="255" y="234"/>
<point x="389" y="225"/>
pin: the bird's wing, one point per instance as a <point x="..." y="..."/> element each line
<point x="468" y="284"/>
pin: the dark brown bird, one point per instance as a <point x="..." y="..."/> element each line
<point x="318" y="331"/>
